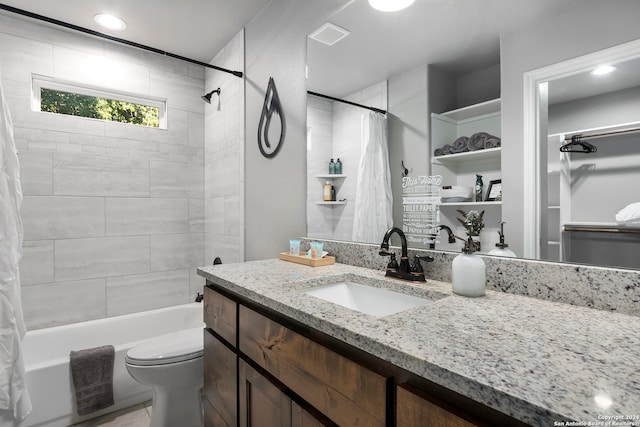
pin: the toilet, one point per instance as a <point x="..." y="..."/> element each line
<point x="172" y="366"/>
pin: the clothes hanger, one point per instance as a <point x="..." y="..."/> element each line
<point x="577" y="145"/>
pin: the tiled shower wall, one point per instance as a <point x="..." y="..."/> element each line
<point x="113" y="213"/>
<point x="224" y="157"/>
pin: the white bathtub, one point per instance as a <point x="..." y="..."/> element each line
<point x="47" y="360"/>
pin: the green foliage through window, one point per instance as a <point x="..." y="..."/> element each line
<point x="73" y="104"/>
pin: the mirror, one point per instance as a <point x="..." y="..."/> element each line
<point x="458" y="73"/>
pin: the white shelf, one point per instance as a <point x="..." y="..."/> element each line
<point x="471" y="203"/>
<point x="468" y="156"/>
<point x="473" y="111"/>
<point x="331" y="203"/>
<point x="553" y="207"/>
<point x="331" y="176"/>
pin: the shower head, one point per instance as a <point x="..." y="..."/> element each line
<point x="207" y="98"/>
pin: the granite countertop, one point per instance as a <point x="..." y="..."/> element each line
<point x="540" y="362"/>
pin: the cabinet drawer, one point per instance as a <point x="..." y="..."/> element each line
<point x="220" y="315"/>
<point x="416" y="409"/>
<point x="342" y="390"/>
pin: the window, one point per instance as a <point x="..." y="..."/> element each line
<point x="63" y="98"/>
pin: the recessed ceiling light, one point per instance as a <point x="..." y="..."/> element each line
<point x="604" y="69"/>
<point x="109" y="21"/>
<point x="390" y="5"/>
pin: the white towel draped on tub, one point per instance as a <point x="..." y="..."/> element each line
<point x="373" y="214"/>
<point x="14" y="398"/>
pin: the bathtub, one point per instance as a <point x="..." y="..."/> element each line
<point x="47" y="360"/>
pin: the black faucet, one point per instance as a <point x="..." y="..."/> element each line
<point x="452" y="237"/>
<point x="414" y="273"/>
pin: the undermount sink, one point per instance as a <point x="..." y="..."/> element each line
<point x="367" y="299"/>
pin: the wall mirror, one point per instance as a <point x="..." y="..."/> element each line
<point x="368" y="67"/>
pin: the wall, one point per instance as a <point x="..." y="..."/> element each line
<point x="275" y="189"/>
<point x="224" y="158"/>
<point x="113" y="213"/>
<point x="548" y="42"/>
<point x="408" y="126"/>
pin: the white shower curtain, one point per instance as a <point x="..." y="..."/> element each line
<point x="15" y="402"/>
<point x="374" y="200"/>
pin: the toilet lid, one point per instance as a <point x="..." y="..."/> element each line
<point x="174" y="347"/>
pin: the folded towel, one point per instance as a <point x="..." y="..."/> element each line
<point x="447" y="149"/>
<point x="92" y="374"/>
<point x="460" y="145"/>
<point x="492" y="142"/>
<point x="438" y="152"/>
<point x="477" y="140"/>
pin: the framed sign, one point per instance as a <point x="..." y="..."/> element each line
<point x="494" y="193"/>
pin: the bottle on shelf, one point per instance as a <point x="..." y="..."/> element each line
<point x="478" y="188"/>
<point x="338" y="166"/>
<point x="326" y="193"/>
<point x="333" y="193"/>
<point x="332" y="167"/>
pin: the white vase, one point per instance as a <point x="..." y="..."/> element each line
<point x="468" y="275"/>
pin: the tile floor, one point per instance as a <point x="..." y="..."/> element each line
<point x="134" y="416"/>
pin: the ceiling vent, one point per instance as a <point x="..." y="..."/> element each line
<point x="329" y="34"/>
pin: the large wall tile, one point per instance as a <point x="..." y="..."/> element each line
<point x="49" y="217"/>
<point x="129" y="294"/>
<point x="85" y="175"/>
<point x="177" y="251"/>
<point x="36" y="265"/>
<point x="137" y="217"/>
<point x="170" y="179"/>
<point x="99" y="71"/>
<point x="20" y="57"/>
<point x="60" y="303"/>
<point x="196" y="215"/>
<point x="36" y="173"/>
<point x="101" y="257"/>
<point x="182" y="92"/>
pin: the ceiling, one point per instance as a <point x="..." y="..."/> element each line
<point x="458" y="35"/>
<point x="196" y="29"/>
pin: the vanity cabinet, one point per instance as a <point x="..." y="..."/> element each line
<point x="415" y="408"/>
<point x="264" y="369"/>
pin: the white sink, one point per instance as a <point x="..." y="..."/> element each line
<point x="367" y="299"/>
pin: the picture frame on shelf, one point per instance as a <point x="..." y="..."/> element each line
<point x="494" y="192"/>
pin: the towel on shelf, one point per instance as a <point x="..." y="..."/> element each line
<point x="447" y="149"/>
<point x="477" y="140"/>
<point x="629" y="215"/>
<point x="492" y="142"/>
<point x="438" y="152"/>
<point x="92" y="375"/>
<point x="460" y="144"/>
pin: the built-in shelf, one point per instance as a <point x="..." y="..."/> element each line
<point x="553" y="243"/>
<point x="468" y="156"/>
<point x="331" y="203"/>
<point x="471" y="203"/>
<point x="331" y="176"/>
<point x="473" y="111"/>
<point x="554" y="207"/>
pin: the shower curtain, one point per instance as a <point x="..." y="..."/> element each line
<point x="15" y="403"/>
<point x="374" y="200"/>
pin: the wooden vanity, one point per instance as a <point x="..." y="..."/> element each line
<point x="262" y="369"/>
<point x="275" y="355"/>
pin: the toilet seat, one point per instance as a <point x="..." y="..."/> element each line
<point x="169" y="348"/>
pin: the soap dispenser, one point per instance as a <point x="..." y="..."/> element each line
<point x="501" y="248"/>
<point x="468" y="272"/>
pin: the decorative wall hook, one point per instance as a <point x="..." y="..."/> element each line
<point x="270" y="107"/>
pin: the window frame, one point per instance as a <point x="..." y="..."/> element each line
<point x="42" y="82"/>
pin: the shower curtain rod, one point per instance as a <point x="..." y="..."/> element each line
<point x="601" y="134"/>
<point x="114" y="39"/>
<point x="377" y="110"/>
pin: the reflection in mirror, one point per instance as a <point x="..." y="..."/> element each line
<point x="455" y="79"/>
<point x="592" y="162"/>
<point x="338" y="131"/>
